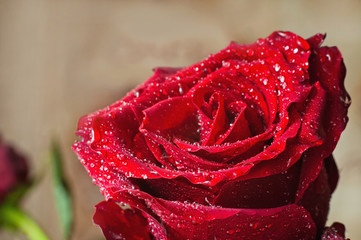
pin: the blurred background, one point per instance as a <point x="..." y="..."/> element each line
<point x="61" y="59"/>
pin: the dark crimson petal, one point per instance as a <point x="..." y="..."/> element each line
<point x="332" y="172"/>
<point x="267" y="192"/>
<point x="316" y="200"/>
<point x="335" y="232"/>
<point x="178" y="189"/>
<point x="289" y="222"/>
<point x="117" y="223"/>
<point x="326" y="67"/>
<point x="279" y="164"/>
<point x="194" y="221"/>
<point x="316" y="40"/>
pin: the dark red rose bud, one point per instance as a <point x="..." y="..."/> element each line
<point x="335" y="232"/>
<point x="237" y="146"/>
<point x="13" y="169"/>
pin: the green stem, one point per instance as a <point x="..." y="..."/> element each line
<point x="14" y="218"/>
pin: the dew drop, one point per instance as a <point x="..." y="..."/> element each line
<point x="283" y="85"/>
<point x="180" y="89"/>
<point x="225" y="64"/>
<point x="261" y="41"/>
<point x="328" y="57"/>
<point x="250" y="52"/>
<point x="281" y="78"/>
<point x="276" y="67"/>
<point x="179" y="225"/>
<point x="281" y="34"/>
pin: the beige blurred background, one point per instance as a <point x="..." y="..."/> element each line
<point x="60" y="59"/>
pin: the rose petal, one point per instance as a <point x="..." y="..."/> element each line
<point x="193" y="221"/>
<point x="316" y="199"/>
<point x="219" y="123"/>
<point x="118" y="223"/>
<point x="327" y="67"/>
<point x="332" y="172"/>
<point x="178" y="189"/>
<point x="266" y="192"/>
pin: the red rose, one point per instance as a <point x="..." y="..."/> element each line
<point x="237" y="146"/>
<point x="13" y="170"/>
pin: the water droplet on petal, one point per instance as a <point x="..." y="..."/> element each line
<point x="328" y="57"/>
<point x="180" y="89"/>
<point x="250" y="52"/>
<point x="276" y="67"/>
<point x="281" y="78"/>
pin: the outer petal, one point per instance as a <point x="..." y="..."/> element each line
<point x="194" y="221"/>
<point x="266" y="192"/>
<point x="326" y="67"/>
<point x="118" y="223"/>
<point x="316" y="200"/>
